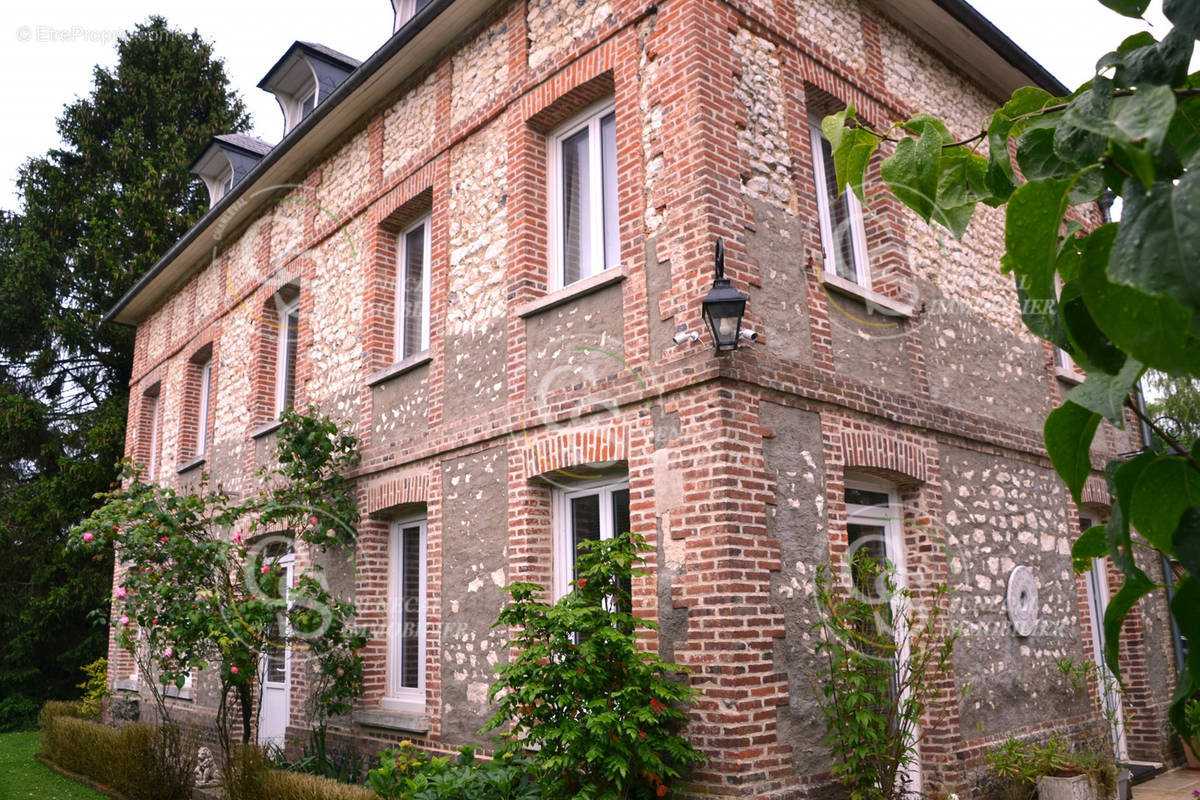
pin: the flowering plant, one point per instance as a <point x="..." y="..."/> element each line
<point x="601" y="711"/>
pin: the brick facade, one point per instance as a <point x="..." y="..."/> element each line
<point x="736" y="463"/>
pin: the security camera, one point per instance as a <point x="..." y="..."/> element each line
<point x="750" y="335"/>
<point x="686" y="336"/>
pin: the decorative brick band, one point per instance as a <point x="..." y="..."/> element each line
<point x="407" y="487"/>
<point x="574" y="448"/>
<point x="1095" y="491"/>
<point x="879" y="451"/>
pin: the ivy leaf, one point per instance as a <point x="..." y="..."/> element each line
<point x="1068" y="431"/>
<point x="1092" y="543"/>
<point x="1151" y="328"/>
<point x="1031" y="228"/>
<point x="1164" y="490"/>
<point x="1090" y="348"/>
<point x="1140" y="60"/>
<point x="852" y="150"/>
<point x="1036" y="154"/>
<point x="1128" y="8"/>
<point x="1106" y="394"/>
<point x="1133" y="589"/>
<point x="1185" y="14"/>
<point x="1157" y="249"/>
<point x="1186" y="540"/>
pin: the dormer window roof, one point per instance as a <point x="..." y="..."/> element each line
<point x="226" y="160"/>
<point x="306" y="75"/>
<point x="406" y="10"/>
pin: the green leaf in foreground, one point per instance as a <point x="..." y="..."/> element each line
<point x="1157" y="249"/>
<point x="852" y="149"/>
<point x="1106" y="394"/>
<point x="1069" y="431"/>
<point x="1163" y="491"/>
<point x="1092" y="543"/>
<point x="1135" y="588"/>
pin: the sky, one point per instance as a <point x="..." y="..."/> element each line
<point x="48" y="50"/>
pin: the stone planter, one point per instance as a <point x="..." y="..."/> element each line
<point x="1076" y="787"/>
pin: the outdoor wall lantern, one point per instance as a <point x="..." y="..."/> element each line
<point x="724" y="306"/>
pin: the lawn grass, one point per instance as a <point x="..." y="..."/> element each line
<point x="23" y="777"/>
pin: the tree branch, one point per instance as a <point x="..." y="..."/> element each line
<point x="1166" y="437"/>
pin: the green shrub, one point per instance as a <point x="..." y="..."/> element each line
<point x="61" y="708"/>
<point x="601" y="713"/>
<point x="283" y="785"/>
<point x="95" y="688"/>
<point x="406" y="773"/>
<point x="247" y="777"/>
<point x="1017" y="764"/>
<point x="141" y="761"/>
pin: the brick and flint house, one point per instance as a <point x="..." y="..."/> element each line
<point x="484" y="250"/>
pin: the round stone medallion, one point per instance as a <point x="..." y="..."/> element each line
<point x="1022" y="600"/>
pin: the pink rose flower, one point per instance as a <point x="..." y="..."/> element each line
<point x="265" y="569"/>
<point x="163" y="540"/>
<point x="237" y="537"/>
<point x="233" y="670"/>
<point x="154" y="621"/>
<point x="124" y="620"/>
<point x="168" y="653"/>
<point x="87" y="537"/>
<point x="312" y="520"/>
<point x="120" y="592"/>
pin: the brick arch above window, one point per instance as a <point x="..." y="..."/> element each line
<point x="558" y="452"/>
<point x="883" y="452"/>
<point x="1095" y="492"/>
<point x="397" y="491"/>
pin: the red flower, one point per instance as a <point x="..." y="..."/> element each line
<point x="582" y="582"/>
<point x="656" y="706"/>
<point x="641" y="734"/>
<point x="661" y="791"/>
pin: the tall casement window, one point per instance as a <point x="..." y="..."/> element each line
<point x="843" y="238"/>
<point x="595" y="510"/>
<point x="873" y="530"/>
<point x="406" y="616"/>
<point x="149" y="425"/>
<point x="583" y="174"/>
<point x="288" y="322"/>
<point x="202" y="410"/>
<point x="412" y="295"/>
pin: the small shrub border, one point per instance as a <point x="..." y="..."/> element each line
<point x="139" y="761"/>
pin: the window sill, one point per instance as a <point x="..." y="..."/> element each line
<point x="574" y="291"/>
<point x="264" y="429"/>
<point x="888" y="306"/>
<point x="411" y="721"/>
<point x="179" y="694"/>
<point x="130" y="685"/>
<point x="189" y="465"/>
<point x="1068" y="374"/>
<point x="399" y="368"/>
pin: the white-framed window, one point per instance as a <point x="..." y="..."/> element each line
<point x="595" y="510"/>
<point x="874" y="524"/>
<point x="285" y="366"/>
<point x="584" y="230"/>
<point x="223" y="185"/>
<point x="412" y="292"/>
<point x="406" y="10"/>
<point x="308" y="104"/>
<point x="202" y="411"/>
<point x="407" y="579"/>
<point x="155" y="412"/>
<point x="843" y="238"/>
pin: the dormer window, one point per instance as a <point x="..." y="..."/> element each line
<point x="227" y="159"/>
<point x="304" y="77"/>
<point x="406" y="10"/>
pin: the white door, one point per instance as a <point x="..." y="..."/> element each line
<point x="275" y="671"/>
<point x="1110" y="697"/>
<point x="873" y="523"/>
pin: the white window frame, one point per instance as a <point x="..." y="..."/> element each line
<point x="202" y="412"/>
<point x="155" y="415"/>
<point x="858" y="234"/>
<point x="590" y="119"/>
<point x="890" y="519"/>
<point x="282" y="351"/>
<point x="223" y="184"/>
<point x="402" y="287"/>
<point x="560" y="513"/>
<point x="405" y="10"/>
<point x="396" y="696"/>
